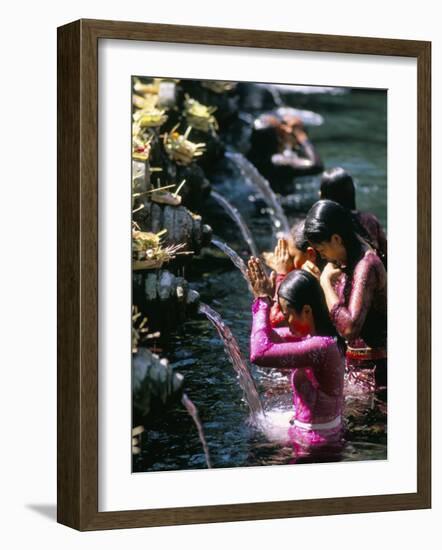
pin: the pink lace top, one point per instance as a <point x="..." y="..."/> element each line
<point x="317" y="364"/>
<point x="362" y="308"/>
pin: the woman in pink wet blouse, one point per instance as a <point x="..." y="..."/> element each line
<point x="309" y="347"/>
<point x="354" y="282"/>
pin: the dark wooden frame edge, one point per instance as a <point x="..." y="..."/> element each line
<point x="77" y="226"/>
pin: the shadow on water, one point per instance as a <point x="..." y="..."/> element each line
<point x="353" y="136"/>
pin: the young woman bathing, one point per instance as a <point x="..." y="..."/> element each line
<point x="309" y="347"/>
<point x="354" y="282"/>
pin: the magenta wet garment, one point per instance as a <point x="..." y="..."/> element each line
<point x="362" y="308"/>
<point x="317" y="378"/>
<point x="361" y="318"/>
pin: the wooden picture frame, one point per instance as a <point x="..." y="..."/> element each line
<point x="78" y="274"/>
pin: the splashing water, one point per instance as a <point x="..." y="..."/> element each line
<point x="193" y="412"/>
<point x="238" y="219"/>
<point x="309" y="118"/>
<point x="236" y="259"/>
<point x="238" y="362"/>
<point x="275" y="425"/>
<point x="280" y="223"/>
<point x="276" y="95"/>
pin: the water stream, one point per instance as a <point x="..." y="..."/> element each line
<point x="253" y="178"/>
<point x="233" y="351"/>
<point x="193" y="411"/>
<point x="234" y="256"/>
<point x="235" y="215"/>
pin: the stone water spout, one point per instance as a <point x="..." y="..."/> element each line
<point x="164" y="298"/>
<point x="156" y="387"/>
<point x="181" y="224"/>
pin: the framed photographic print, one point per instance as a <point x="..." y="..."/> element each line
<point x="230" y="346"/>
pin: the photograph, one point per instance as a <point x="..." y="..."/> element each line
<point x="259" y="274"/>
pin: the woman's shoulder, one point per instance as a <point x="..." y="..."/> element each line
<point x="367" y="217"/>
<point x="325" y="350"/>
<point x="370" y="268"/>
<point x="323" y="342"/>
<point x="370" y="260"/>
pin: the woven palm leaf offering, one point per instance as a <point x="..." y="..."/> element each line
<point x="200" y="116"/>
<point x="161" y="195"/>
<point x="140" y="330"/>
<point x="180" y="149"/>
<point x="148" y="251"/>
<point x="138" y="101"/>
<point x="218" y="86"/>
<point x="150" y="116"/>
<point x="147" y="88"/>
<point x="141" y="143"/>
<point x="165" y="89"/>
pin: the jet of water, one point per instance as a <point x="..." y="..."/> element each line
<point x="276" y="95"/>
<point x="238" y="362"/>
<point x="236" y="259"/>
<point x="193" y="412"/>
<point x="280" y="223"/>
<point x="239" y="220"/>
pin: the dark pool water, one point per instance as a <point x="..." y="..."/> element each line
<point x="353" y="136"/>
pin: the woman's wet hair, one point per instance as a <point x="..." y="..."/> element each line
<point x="299" y="239"/>
<point x="337" y="185"/>
<point x="327" y="218"/>
<point x="264" y="140"/>
<point x="301" y="288"/>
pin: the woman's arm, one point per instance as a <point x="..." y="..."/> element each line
<point x="349" y="319"/>
<point x="309" y="163"/>
<point x="309" y="150"/>
<point x="268" y="349"/>
<point x="382" y="242"/>
<point x="328" y="279"/>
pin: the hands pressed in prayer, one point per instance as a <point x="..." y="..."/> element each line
<point x="282" y="261"/>
<point x="330" y="273"/>
<point x="262" y="285"/>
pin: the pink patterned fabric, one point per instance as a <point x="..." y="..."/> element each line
<point x="317" y="378"/>
<point x="362" y="308"/>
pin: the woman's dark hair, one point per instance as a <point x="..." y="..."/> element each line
<point x="337" y="185"/>
<point x="326" y="218"/>
<point x="299" y="239"/>
<point x="301" y="288"/>
<point x="264" y="140"/>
